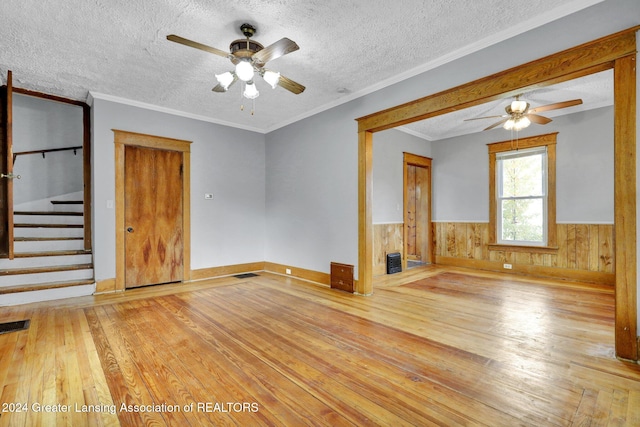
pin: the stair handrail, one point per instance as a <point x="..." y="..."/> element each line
<point x="47" y="150"/>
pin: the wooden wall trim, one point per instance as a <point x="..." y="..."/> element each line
<point x="364" y="285"/>
<point x="122" y="139"/>
<point x="106" y="286"/>
<point x="625" y="206"/>
<point x="548" y="140"/>
<point x="300" y="273"/>
<point x="562" y="66"/>
<point x="588" y="58"/>
<point x="86" y="176"/>
<point x="226" y="270"/>
<point x="530" y="270"/>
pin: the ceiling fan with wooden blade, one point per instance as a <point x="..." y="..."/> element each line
<point x="519" y="115"/>
<point x="249" y="58"/>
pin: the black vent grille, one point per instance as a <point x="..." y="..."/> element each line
<point x="20" y="325"/>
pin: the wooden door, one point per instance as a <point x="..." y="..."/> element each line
<point x="417" y="201"/>
<point x="153" y="216"/>
<point x="6" y="169"/>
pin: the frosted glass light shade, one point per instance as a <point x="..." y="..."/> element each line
<point x="250" y="91"/>
<point x="522" y="123"/>
<point x="225" y="79"/>
<point x="244" y="71"/>
<point x="518" y="106"/>
<point x="508" y="125"/>
<point x="272" y="78"/>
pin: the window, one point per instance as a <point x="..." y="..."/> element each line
<point x="522" y="197"/>
<point x="522" y="192"/>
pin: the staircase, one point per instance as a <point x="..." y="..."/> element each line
<point x="50" y="261"/>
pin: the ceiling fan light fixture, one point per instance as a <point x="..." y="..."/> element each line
<point x="272" y="78"/>
<point x="522" y="123"/>
<point x="225" y="79"/>
<point x="244" y="71"/>
<point x="518" y="106"/>
<point x="250" y="91"/>
<point x="508" y="125"/>
<point x="517" y="124"/>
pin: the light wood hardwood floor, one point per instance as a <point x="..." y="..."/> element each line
<point x="432" y="346"/>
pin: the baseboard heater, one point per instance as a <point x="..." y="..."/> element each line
<point x="394" y="263"/>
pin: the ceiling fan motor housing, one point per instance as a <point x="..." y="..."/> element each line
<point x="244" y="48"/>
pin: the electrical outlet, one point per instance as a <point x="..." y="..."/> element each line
<point x="208" y="196"/>
<point x="288" y="271"/>
<point x="507" y="266"/>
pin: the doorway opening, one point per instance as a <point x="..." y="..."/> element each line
<point x="417" y="211"/>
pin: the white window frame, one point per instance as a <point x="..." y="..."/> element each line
<point x="520" y="144"/>
<point x="499" y="170"/>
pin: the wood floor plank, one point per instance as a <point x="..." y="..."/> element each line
<point x="431" y="346"/>
<point x="269" y="388"/>
<point x="387" y="350"/>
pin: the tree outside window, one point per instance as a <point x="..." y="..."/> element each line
<point x="522" y="199"/>
<point x="522" y="196"/>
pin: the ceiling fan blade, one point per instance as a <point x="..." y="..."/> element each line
<point x="556" y="106"/>
<point x="275" y="50"/>
<point x="191" y="43"/>
<point x="541" y="120"/>
<point x="501" y="122"/>
<point x="290" y="85"/>
<point x="485" y="117"/>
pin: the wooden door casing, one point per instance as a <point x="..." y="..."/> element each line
<point x="6" y="168"/>
<point x="417" y="209"/>
<point x="153" y="216"/>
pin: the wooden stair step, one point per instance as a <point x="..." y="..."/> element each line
<point x="51" y="253"/>
<point x="36" y="270"/>
<point x="21" y="225"/>
<point x="48" y="213"/>
<point x="67" y="202"/>
<point x="43" y="286"/>
<point x="44" y="239"/>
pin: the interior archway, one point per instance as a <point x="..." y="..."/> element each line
<point x="617" y="52"/>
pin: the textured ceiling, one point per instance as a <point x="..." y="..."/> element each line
<point x="118" y="48"/>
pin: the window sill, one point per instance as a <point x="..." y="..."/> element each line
<point x="522" y="248"/>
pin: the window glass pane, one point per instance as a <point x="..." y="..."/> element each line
<point x="522" y="220"/>
<point x="522" y="176"/>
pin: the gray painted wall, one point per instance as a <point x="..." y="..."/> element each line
<point x="584" y="170"/>
<point x="312" y="201"/>
<point x="388" y="160"/>
<point x="227" y="162"/>
<point x="296" y="203"/>
<point x="43" y="124"/>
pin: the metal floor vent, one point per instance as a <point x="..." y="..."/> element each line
<point x="245" y="275"/>
<point x="20" y="325"/>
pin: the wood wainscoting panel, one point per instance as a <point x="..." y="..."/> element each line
<point x="582" y="249"/>
<point x="387" y="239"/>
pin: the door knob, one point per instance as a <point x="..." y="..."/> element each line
<point x="9" y="176"/>
<point x="129" y="229"/>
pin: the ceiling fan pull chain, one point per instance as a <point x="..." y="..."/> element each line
<point x="242" y="88"/>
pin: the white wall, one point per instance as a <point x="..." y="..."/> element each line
<point x="388" y="160"/>
<point x="584" y="189"/>
<point x="40" y="124"/>
<point x="230" y="229"/>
